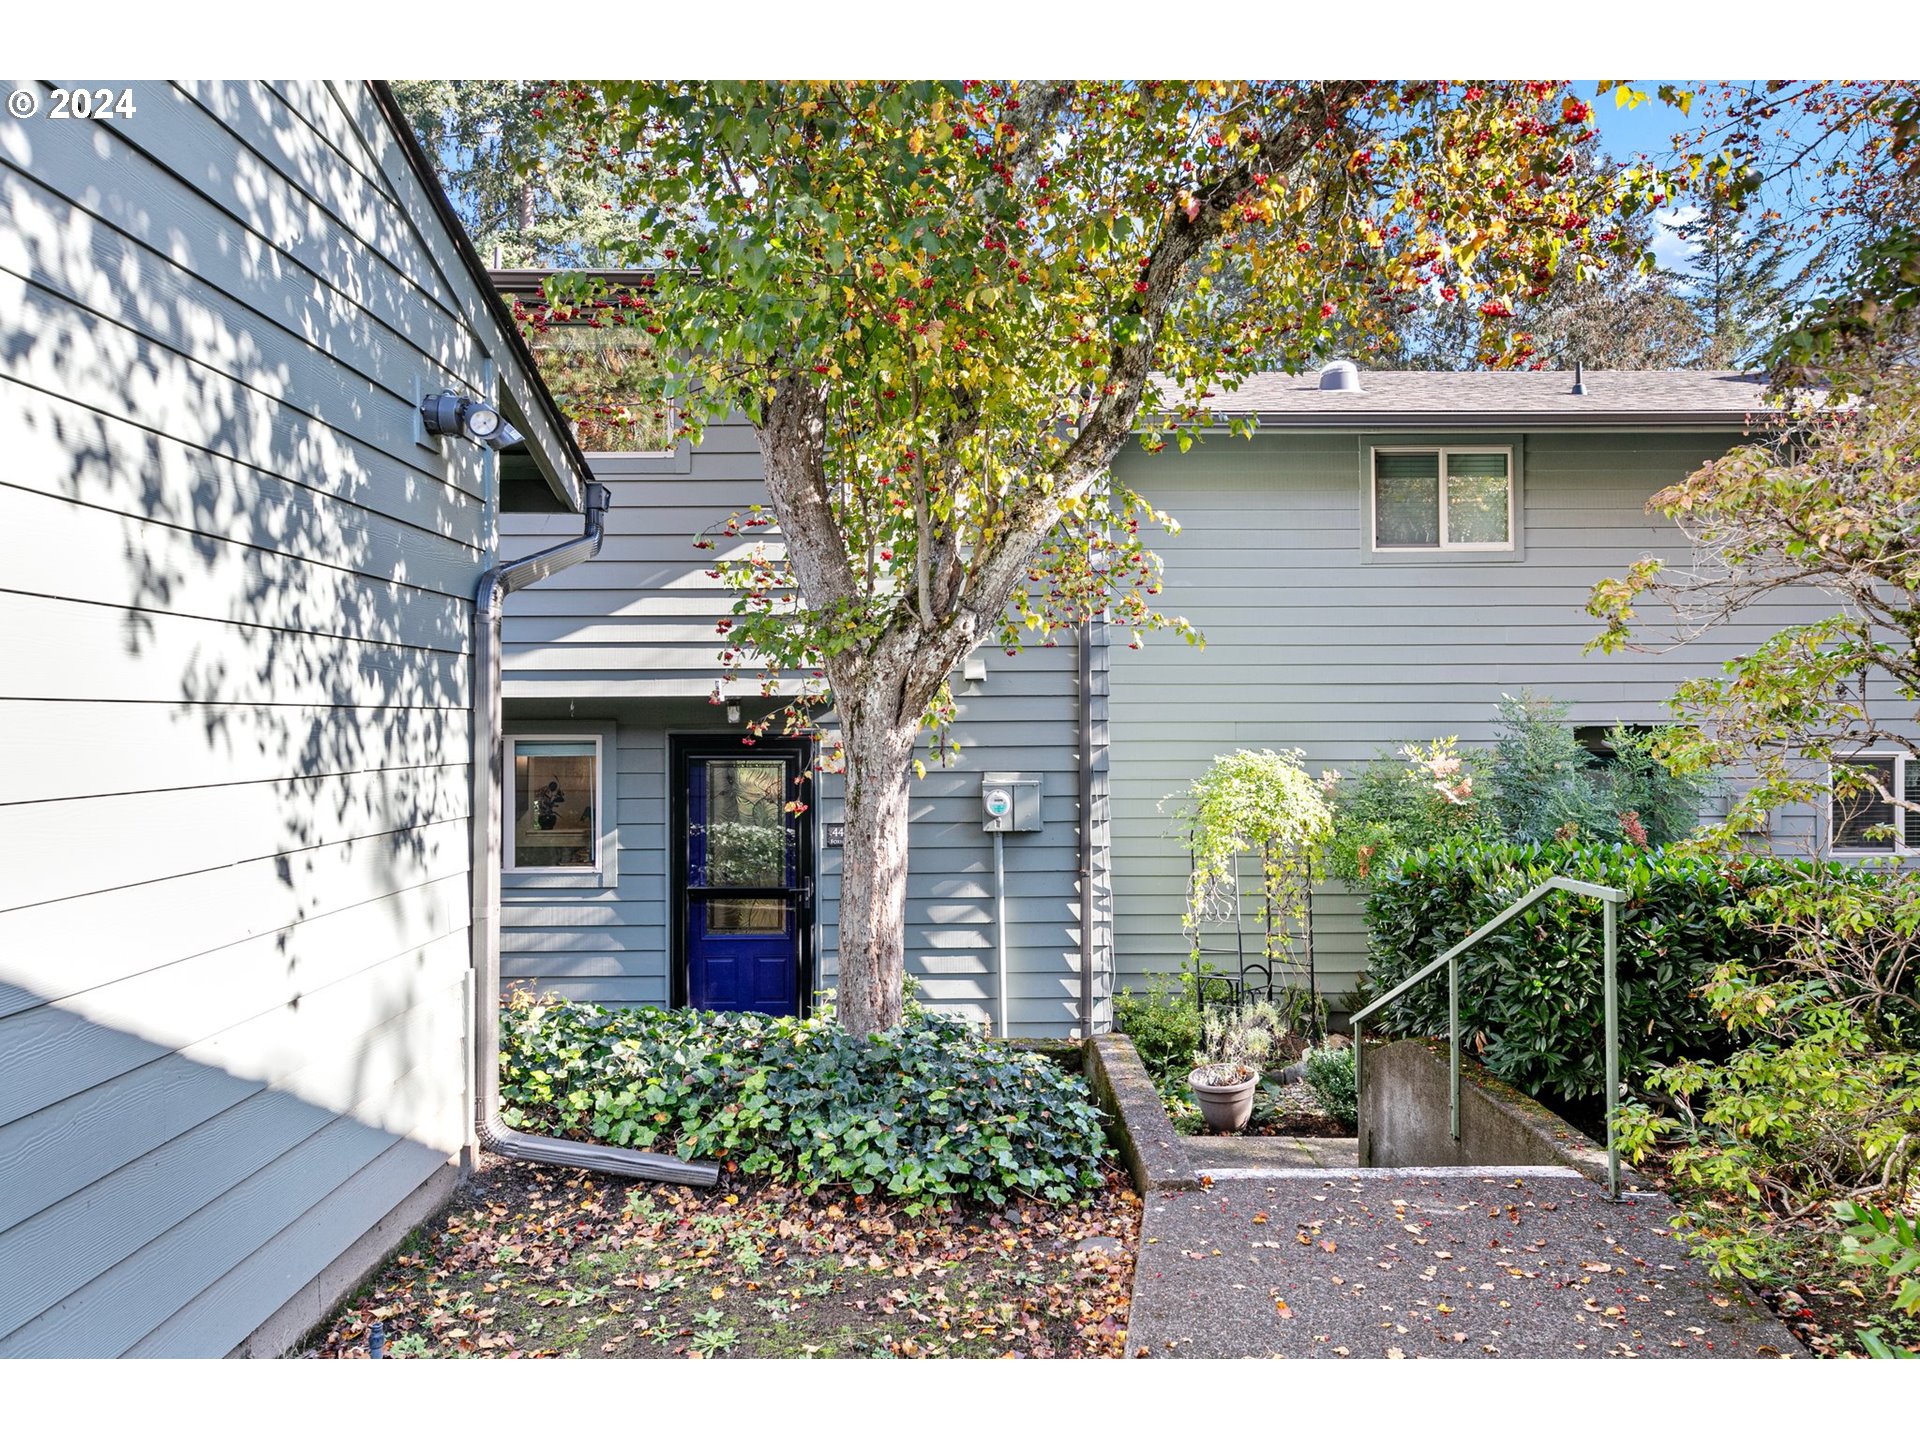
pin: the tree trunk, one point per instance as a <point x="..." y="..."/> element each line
<point x="873" y="880"/>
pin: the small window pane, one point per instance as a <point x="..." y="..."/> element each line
<point x="747" y="917"/>
<point x="1911" y="820"/>
<point x="1477" y="500"/>
<point x="553" y="793"/>
<point x="1863" y="810"/>
<point x="1406" y="499"/>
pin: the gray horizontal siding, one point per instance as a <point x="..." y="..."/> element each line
<point x="637" y="620"/>
<point x="1311" y="647"/>
<point x="236" y="631"/>
<point x="1022" y="717"/>
<point x="630" y="636"/>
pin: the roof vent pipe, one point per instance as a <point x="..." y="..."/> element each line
<point x="1341" y="375"/>
<point x="1579" y="378"/>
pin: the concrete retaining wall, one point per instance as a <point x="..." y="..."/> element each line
<point x="1403" y="1117"/>
<point x="1137" y="1120"/>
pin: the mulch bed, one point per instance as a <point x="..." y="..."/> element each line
<point x="1292" y="1110"/>
<point x="1278" y="1109"/>
<point x="531" y="1261"/>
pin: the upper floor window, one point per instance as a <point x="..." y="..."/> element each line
<point x="1863" y="820"/>
<point x="1442" y="499"/>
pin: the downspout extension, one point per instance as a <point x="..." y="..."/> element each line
<point x="494" y="1133"/>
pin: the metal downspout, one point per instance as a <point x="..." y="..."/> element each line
<point x="1083" y="644"/>
<point x="494" y="1133"/>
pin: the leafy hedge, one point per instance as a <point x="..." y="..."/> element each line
<point x="1531" y="999"/>
<point x="929" y="1111"/>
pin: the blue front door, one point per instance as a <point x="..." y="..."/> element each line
<point x="745" y="881"/>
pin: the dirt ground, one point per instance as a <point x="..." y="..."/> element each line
<point x="530" y="1261"/>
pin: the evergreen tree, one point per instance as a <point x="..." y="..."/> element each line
<point x="523" y="193"/>
<point x="1732" y="282"/>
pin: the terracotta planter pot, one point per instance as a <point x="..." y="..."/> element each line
<point x="1225" y="1108"/>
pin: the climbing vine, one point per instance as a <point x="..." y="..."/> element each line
<point x="1261" y="803"/>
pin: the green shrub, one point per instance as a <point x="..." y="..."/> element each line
<point x="1531" y="994"/>
<point x="1329" y="1074"/>
<point x="1539" y="784"/>
<point x="1542" y="784"/>
<point x="929" y="1111"/>
<point x="1637" y="782"/>
<point x="1888" y="1242"/>
<point x="1821" y="1102"/>
<point x="1417" y="797"/>
<point x="1164" y="1025"/>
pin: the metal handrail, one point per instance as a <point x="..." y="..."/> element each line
<point x="1613" y="899"/>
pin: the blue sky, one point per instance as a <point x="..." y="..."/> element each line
<point x="1647" y="128"/>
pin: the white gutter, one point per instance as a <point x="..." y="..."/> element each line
<point x="494" y="1133"/>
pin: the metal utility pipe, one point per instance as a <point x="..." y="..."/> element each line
<point x="1083" y="644"/>
<point x="495" y="1134"/>
<point x="1000" y="920"/>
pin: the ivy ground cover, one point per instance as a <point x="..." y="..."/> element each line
<point x="930" y="1112"/>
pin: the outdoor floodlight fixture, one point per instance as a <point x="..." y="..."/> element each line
<point x="449" y="414"/>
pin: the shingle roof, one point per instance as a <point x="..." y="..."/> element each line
<point x="1537" y="397"/>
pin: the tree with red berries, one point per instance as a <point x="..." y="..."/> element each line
<point x="946" y="307"/>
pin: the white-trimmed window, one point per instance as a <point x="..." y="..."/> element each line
<point x="1437" y="498"/>
<point x="553" y="804"/>
<point x="1865" y="822"/>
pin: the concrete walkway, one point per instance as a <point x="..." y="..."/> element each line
<point x="1224" y="1156"/>
<point x="1426" y="1263"/>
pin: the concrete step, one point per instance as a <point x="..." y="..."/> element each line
<point x="1223" y="1156"/>
<point x="1372" y="1263"/>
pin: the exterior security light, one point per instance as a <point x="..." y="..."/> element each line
<point x="448" y="414"/>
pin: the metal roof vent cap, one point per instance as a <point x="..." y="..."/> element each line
<point x="1341" y="375"/>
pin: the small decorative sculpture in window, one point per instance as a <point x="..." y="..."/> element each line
<point x="546" y="805"/>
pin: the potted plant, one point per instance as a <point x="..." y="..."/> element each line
<point x="1234" y="1044"/>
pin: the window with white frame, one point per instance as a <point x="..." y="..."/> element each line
<point x="1861" y="819"/>
<point x="552" y="803"/>
<point x="1442" y="498"/>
